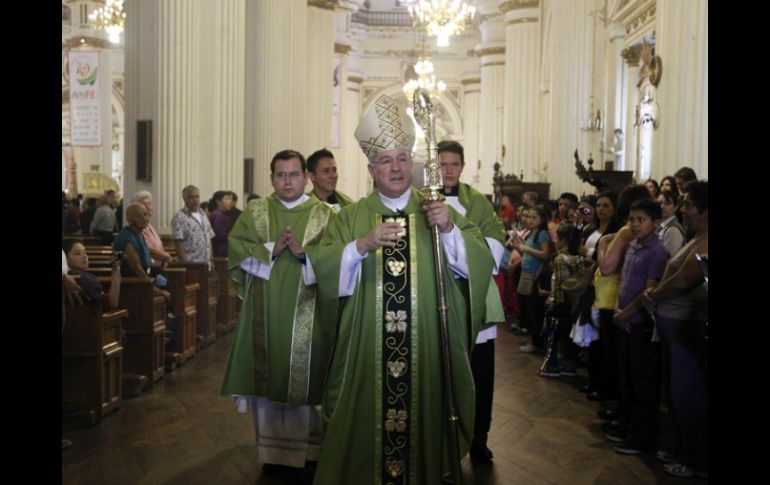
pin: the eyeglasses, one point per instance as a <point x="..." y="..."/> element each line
<point x="390" y="161"/>
<point x="287" y="175"/>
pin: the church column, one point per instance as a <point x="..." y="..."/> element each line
<point x="276" y="86"/>
<point x="613" y="90"/>
<point x="354" y="177"/>
<point x="631" y="130"/>
<point x="492" y="101"/>
<point x="320" y="55"/>
<point x="220" y="131"/>
<point x="85" y="37"/>
<point x="471" y="83"/>
<point x="577" y="54"/>
<point x="162" y="85"/>
<point x="682" y="44"/>
<point x="522" y="59"/>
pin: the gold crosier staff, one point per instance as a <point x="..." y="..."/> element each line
<point x="423" y="114"/>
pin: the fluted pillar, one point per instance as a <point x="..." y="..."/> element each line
<point x="492" y="101"/>
<point x="575" y="93"/>
<point x="682" y="44"/>
<point x="471" y="103"/>
<point x="276" y="86"/>
<point x="320" y="54"/>
<point x="222" y="97"/>
<point x="163" y="68"/>
<point x="522" y="56"/>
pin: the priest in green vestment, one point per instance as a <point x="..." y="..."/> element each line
<point x="322" y="170"/>
<point x="384" y="408"/>
<point x="282" y="346"/>
<point x="476" y="207"/>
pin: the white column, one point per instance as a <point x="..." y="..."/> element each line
<point x="162" y="71"/>
<point x="631" y="129"/>
<point x="354" y="178"/>
<point x="471" y="100"/>
<point x="522" y="60"/>
<point x="220" y="131"/>
<point x="682" y="44"/>
<point x="492" y="102"/>
<point x="575" y="94"/>
<point x="276" y="82"/>
<point x="320" y="53"/>
<point x="613" y="101"/>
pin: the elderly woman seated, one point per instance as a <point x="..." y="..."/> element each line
<point x="90" y="288"/>
<point x="137" y="259"/>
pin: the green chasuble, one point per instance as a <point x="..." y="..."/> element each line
<point x="384" y="416"/>
<point x="480" y="212"/>
<point x="282" y="347"/>
<point x="342" y="199"/>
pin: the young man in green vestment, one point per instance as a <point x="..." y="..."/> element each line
<point x="384" y="412"/>
<point x="282" y="347"/>
<point x="476" y="207"/>
<point x="322" y="170"/>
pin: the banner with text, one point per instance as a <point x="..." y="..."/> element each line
<point x="85" y="123"/>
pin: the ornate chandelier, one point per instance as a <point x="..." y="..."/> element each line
<point x="425" y="79"/>
<point x="441" y="18"/>
<point x="111" y="18"/>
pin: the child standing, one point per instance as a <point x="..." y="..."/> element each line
<point x="557" y="313"/>
<point x="643" y="266"/>
<point x="535" y="251"/>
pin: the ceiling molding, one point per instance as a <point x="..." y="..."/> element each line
<point x="518" y="5"/>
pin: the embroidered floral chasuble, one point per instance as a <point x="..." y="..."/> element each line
<point x="385" y="420"/>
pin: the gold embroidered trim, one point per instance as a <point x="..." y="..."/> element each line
<point x="302" y="331"/>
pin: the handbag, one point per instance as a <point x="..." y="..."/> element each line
<point x="526" y="283"/>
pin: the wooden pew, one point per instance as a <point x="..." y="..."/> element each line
<point x="145" y="326"/>
<point x="208" y="295"/>
<point x="226" y="306"/>
<point x="92" y="361"/>
<point x="184" y="300"/>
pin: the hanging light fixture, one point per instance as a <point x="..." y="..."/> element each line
<point x="425" y="79"/>
<point x="111" y="18"/>
<point x="442" y="18"/>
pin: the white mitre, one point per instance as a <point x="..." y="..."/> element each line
<point x="385" y="126"/>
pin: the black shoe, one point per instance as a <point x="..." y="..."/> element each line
<point x="275" y="468"/>
<point x="596" y="396"/>
<point x="613" y="427"/>
<point x="608" y="414"/>
<point x="586" y="389"/>
<point x="616" y="436"/>
<point x="481" y="454"/>
<point x="631" y="448"/>
<point x="666" y="456"/>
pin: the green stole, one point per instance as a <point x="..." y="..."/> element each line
<point x="342" y="199"/>
<point x="280" y="350"/>
<point x="383" y="411"/>
<point x="480" y="212"/>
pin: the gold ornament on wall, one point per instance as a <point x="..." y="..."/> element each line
<point x="652" y="65"/>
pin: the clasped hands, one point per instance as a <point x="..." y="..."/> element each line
<point x="287" y="240"/>
<point x="387" y="234"/>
